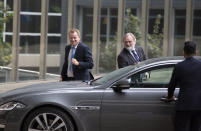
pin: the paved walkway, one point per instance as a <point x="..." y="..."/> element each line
<point x="12" y="85"/>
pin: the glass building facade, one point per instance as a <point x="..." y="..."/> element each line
<point x="30" y="16"/>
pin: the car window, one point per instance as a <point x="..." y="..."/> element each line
<point x="156" y="78"/>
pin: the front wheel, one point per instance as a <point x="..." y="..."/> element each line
<point x="48" y="119"/>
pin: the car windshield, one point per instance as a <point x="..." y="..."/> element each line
<point x="112" y="75"/>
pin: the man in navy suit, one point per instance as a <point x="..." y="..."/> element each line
<point x="78" y="59"/>
<point x="131" y="53"/>
<point x="187" y="75"/>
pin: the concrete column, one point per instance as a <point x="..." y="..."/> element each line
<point x="120" y="26"/>
<point x="108" y="28"/>
<point x="189" y="20"/>
<point x="15" y="39"/>
<point x="63" y="42"/>
<point x="70" y="16"/>
<point x="96" y="34"/>
<point x="43" y="37"/>
<point x="168" y="47"/>
<point x="144" y="24"/>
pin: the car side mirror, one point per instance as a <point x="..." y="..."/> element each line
<point x="121" y="85"/>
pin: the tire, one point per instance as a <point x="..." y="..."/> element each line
<point x="48" y="119"/>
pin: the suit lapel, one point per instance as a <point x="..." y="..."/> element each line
<point x="77" y="50"/>
<point x="130" y="56"/>
<point x="67" y="51"/>
<point x="138" y="52"/>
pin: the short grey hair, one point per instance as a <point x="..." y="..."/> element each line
<point x="130" y="34"/>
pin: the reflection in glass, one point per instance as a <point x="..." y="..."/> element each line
<point x="31" y="5"/>
<point x="55" y="6"/>
<point x="53" y="45"/>
<point x="179" y="29"/>
<point x="30" y="23"/>
<point x="30" y="44"/>
<point x="54" y="24"/>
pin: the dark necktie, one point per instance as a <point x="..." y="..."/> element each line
<point x="135" y="56"/>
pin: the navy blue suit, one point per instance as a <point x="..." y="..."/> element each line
<point x="125" y="58"/>
<point x="84" y="57"/>
<point x="187" y="75"/>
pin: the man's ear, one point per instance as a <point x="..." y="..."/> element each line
<point x="184" y="54"/>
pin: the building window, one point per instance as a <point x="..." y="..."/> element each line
<point x="180" y="21"/>
<point x="153" y="14"/>
<point x="30" y="23"/>
<point x="31" y="5"/>
<point x="103" y="24"/>
<point x="30" y="26"/>
<point x="197" y="23"/>
<point x="30" y="44"/>
<point x="10" y="4"/>
<point x="53" y="45"/>
<point x="54" y="24"/>
<point x="9" y="25"/>
<point x="55" y="6"/>
<point x="88" y="24"/>
<point x="108" y="23"/>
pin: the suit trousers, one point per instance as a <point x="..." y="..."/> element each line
<point x="187" y="121"/>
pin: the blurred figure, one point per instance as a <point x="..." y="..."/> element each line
<point x="78" y="59"/>
<point x="187" y="75"/>
<point x="131" y="53"/>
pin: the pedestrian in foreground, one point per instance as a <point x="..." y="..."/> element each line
<point x="187" y="76"/>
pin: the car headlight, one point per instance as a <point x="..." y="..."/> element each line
<point x="11" y="105"/>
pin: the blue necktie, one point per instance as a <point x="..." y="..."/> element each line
<point x="73" y="52"/>
<point x="135" y="56"/>
<point x="72" y="56"/>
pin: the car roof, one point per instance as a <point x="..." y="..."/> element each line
<point x="164" y="60"/>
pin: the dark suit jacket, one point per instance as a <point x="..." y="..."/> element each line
<point x="187" y="75"/>
<point x="125" y="58"/>
<point x="84" y="57"/>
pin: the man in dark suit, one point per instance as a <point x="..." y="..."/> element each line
<point x="131" y="53"/>
<point x="78" y="59"/>
<point x="187" y="75"/>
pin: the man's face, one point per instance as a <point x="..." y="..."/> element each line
<point x="74" y="38"/>
<point x="129" y="42"/>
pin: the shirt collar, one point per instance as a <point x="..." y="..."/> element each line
<point x="74" y="46"/>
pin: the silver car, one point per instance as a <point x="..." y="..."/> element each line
<point x="127" y="99"/>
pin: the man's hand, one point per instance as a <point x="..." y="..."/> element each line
<point x="167" y="99"/>
<point x="75" y="62"/>
<point x="147" y="75"/>
<point x="60" y="79"/>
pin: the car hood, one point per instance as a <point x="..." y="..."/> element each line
<point x="46" y="87"/>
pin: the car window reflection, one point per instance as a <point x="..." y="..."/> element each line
<point x="157" y="78"/>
